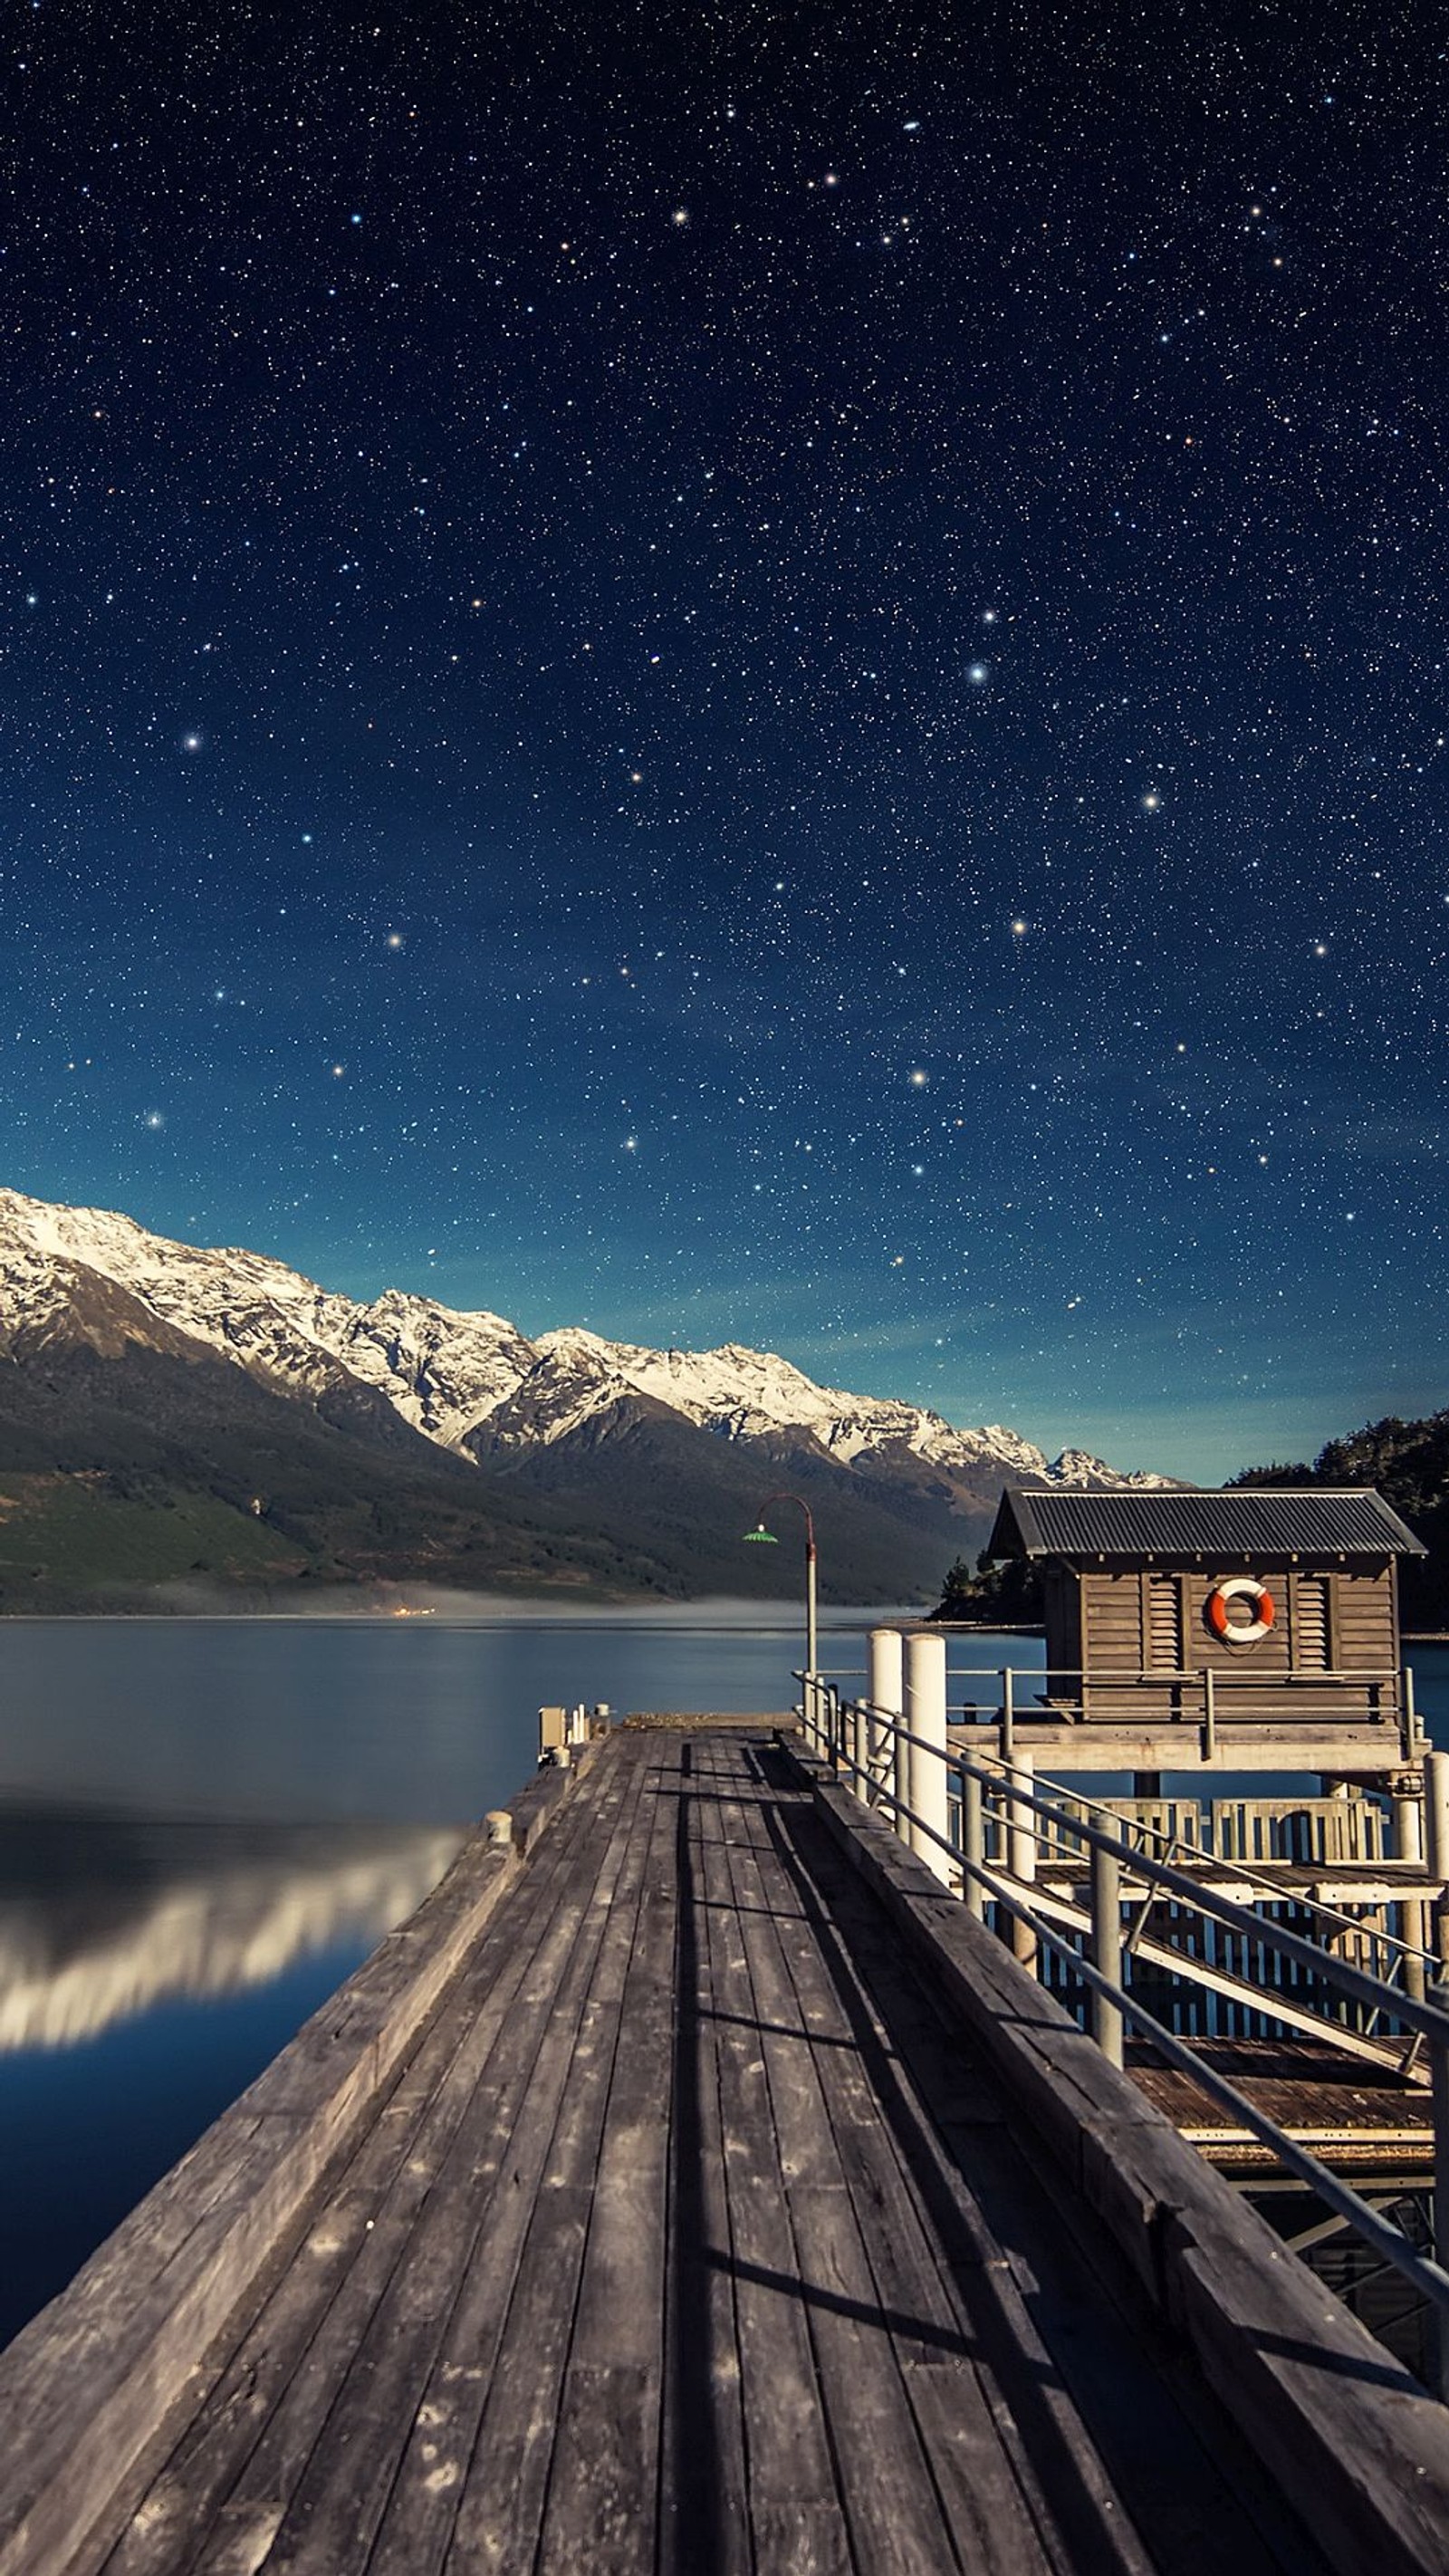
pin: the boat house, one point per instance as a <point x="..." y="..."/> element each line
<point x="1253" y="1608"/>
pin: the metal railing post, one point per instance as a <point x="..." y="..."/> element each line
<point x="926" y="1719"/>
<point x="1021" y="1854"/>
<point x="810" y="1711"/>
<point x="973" y="1843"/>
<point x="1408" y="1715"/>
<point x="885" y="1649"/>
<point x="1209" y="1714"/>
<point x="1436" y="1851"/>
<point x="1439" y="2243"/>
<point x="1008" y="1712"/>
<point x="1107" y="1949"/>
<point x="852" y="1718"/>
<point x="903" y="1778"/>
<point x="1436" y="1814"/>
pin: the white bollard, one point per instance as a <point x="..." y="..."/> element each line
<point x="884" y="1689"/>
<point x="926" y="1718"/>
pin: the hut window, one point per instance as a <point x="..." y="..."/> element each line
<point x="1310" y="1623"/>
<point x="1162" y="1622"/>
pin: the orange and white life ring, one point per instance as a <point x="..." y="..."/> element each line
<point x="1246" y="1632"/>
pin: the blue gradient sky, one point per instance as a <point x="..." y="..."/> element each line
<point x="782" y="683"/>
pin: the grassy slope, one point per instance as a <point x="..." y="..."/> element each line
<point x="110" y="1451"/>
<point x="66" y="1536"/>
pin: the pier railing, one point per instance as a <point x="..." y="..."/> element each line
<point x="994" y="1835"/>
<point x="1003" y="1696"/>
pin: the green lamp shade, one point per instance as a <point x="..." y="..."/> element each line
<point x="761" y="1537"/>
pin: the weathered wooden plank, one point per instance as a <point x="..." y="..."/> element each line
<point x="1051" y="2067"/>
<point x="858" y="2341"/>
<point x="995" y="2502"/>
<point x="891" y="2504"/>
<point x="794" y="2504"/>
<point x="704" y="2523"/>
<point x="330" y="2452"/>
<point x="889" y="2152"/>
<point x="180" y="2503"/>
<point x="85" y="2391"/>
<point x="359" y="2231"/>
<point x="604" y="2495"/>
<point x="1350" y="2435"/>
<point x="505" y="2492"/>
<point x="1085" y="2370"/>
<point x="1116" y="2424"/>
<point x="1361" y="2451"/>
<point x="369" y="2198"/>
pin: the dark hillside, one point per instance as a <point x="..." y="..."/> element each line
<point x="144" y="1465"/>
<point x="1409" y="1463"/>
<point x="98" y="1456"/>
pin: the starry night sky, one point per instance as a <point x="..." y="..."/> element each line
<point x="749" y="672"/>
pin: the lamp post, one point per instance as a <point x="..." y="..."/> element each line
<point x="759" y="1536"/>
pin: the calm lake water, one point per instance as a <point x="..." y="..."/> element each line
<point x="205" y="1825"/>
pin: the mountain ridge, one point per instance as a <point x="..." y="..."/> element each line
<point x="563" y="1431"/>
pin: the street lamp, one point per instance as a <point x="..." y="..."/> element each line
<point x="759" y="1536"/>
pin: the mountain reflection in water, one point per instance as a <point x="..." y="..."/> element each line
<point x="102" y="1917"/>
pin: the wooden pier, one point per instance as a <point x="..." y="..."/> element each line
<point x="694" y="2186"/>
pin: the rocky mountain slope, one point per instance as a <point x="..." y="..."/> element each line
<point x="126" y="1350"/>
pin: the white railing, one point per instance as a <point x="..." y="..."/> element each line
<point x="1202" y="1697"/>
<point x="892" y="1750"/>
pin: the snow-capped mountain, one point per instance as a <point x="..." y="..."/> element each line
<point x="471" y="1383"/>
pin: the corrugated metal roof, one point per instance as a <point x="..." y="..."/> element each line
<point x="1252" y="1520"/>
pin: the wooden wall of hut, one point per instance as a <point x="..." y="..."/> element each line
<point x="1330" y="1652"/>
